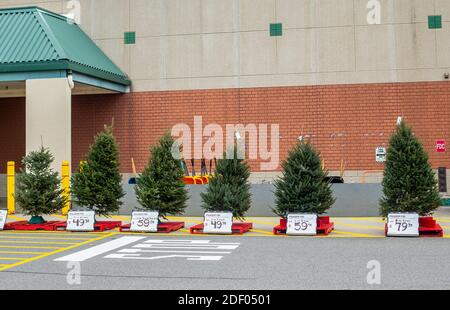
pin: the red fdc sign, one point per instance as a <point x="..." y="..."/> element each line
<point x="440" y="146"/>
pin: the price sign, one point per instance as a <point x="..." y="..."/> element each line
<point x="403" y="225"/>
<point x="144" y="221"/>
<point x="218" y="223"/>
<point x="81" y="221"/>
<point x="3" y="216"/>
<point x="302" y="224"/>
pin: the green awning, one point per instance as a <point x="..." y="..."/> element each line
<point x="36" y="40"/>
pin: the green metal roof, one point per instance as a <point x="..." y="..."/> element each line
<point x="33" y="39"/>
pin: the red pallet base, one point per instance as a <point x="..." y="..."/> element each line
<point x="24" y="225"/>
<point x="164" y="227"/>
<point x="324" y="226"/>
<point x="98" y="226"/>
<point x="236" y="228"/>
<point x="427" y="227"/>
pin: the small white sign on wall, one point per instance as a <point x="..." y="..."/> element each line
<point x="144" y="221"/>
<point x="301" y="224"/>
<point x="80" y="221"/>
<point x="218" y="223"/>
<point x="380" y="154"/>
<point x="3" y="217"/>
<point x="403" y="225"/>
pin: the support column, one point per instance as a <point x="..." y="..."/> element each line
<point x="49" y="118"/>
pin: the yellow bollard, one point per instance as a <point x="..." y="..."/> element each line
<point x="65" y="183"/>
<point x="11" y="186"/>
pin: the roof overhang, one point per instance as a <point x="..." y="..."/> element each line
<point x="49" y="45"/>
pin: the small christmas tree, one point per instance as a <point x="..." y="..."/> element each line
<point x="39" y="187"/>
<point x="302" y="187"/>
<point x="229" y="189"/>
<point x="98" y="185"/>
<point x="409" y="183"/>
<point x="160" y="187"/>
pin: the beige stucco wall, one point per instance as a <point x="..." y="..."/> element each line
<point x="48" y="118"/>
<point x="192" y="44"/>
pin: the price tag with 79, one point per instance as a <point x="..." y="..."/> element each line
<point x="403" y="225"/>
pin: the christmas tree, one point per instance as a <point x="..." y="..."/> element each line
<point x="229" y="189"/>
<point x="409" y="183"/>
<point x="160" y="187"/>
<point x="38" y="186"/>
<point x="98" y="184"/>
<point x="302" y="187"/>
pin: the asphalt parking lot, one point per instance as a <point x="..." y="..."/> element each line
<point x="354" y="252"/>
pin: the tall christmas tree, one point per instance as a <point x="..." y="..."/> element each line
<point x="38" y="186"/>
<point x="409" y="183"/>
<point x="98" y="184"/>
<point x="160" y="187"/>
<point x="229" y="189"/>
<point x="302" y="187"/>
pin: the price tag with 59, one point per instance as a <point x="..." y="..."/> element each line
<point x="3" y="216"/>
<point x="218" y="223"/>
<point x="302" y="224"/>
<point x="81" y="221"/>
<point x="403" y="225"/>
<point x="144" y="221"/>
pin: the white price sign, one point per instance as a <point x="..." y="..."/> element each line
<point x="403" y="225"/>
<point x="3" y="216"/>
<point x="81" y="221"/>
<point x="144" y="221"/>
<point x="302" y="224"/>
<point x="218" y="223"/>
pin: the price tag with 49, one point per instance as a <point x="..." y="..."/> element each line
<point x="218" y="223"/>
<point x="144" y="221"/>
<point x="302" y="224"/>
<point x="3" y="216"/>
<point x="81" y="221"/>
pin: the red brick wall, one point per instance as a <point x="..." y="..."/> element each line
<point x="347" y="122"/>
<point x="12" y="131"/>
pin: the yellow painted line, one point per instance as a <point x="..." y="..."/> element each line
<point x="182" y="219"/>
<point x="359" y="225"/>
<point x="18" y="252"/>
<point x="12" y="258"/>
<point x="29" y="260"/>
<point x="262" y="231"/>
<point x="446" y="227"/>
<point x="28" y="247"/>
<point x="264" y="222"/>
<point x="16" y="218"/>
<point x="366" y="219"/>
<point x="356" y="234"/>
<point x="35" y="242"/>
<point x="43" y="232"/>
<point x="120" y="217"/>
<point x="59" y="216"/>
<point x="39" y="237"/>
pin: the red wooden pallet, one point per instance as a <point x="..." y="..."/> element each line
<point x="98" y="226"/>
<point x="324" y="226"/>
<point x="427" y="227"/>
<point x="24" y="225"/>
<point x="236" y="228"/>
<point x="164" y="227"/>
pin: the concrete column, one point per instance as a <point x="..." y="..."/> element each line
<point x="48" y="118"/>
